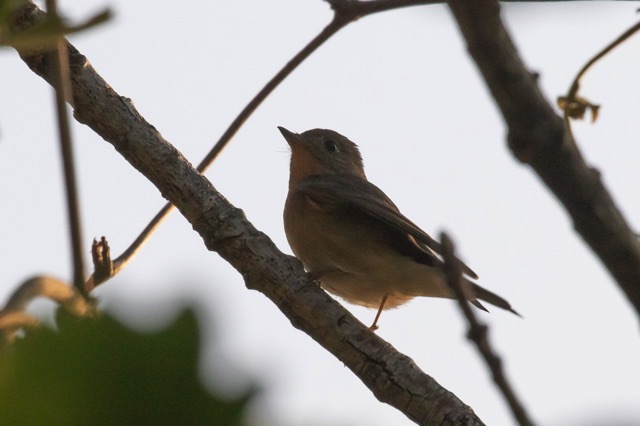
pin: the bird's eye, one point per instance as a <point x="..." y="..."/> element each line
<point x="331" y="145"/>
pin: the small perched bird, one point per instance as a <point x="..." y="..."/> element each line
<point x="352" y="238"/>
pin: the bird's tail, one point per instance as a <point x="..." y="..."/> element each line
<point x="487" y="296"/>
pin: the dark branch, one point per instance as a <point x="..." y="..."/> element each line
<point x="62" y="89"/>
<point x="538" y="137"/>
<point x="478" y="332"/>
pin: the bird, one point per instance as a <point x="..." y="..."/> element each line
<point x="352" y="239"/>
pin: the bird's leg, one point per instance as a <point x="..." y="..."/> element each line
<point x="374" y="326"/>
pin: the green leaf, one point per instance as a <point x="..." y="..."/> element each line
<point x="96" y="371"/>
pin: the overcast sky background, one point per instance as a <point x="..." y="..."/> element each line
<point x="401" y="85"/>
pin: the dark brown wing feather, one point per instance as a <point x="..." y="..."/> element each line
<point x="351" y="192"/>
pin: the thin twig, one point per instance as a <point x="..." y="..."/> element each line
<point x="478" y="332"/>
<point x="53" y="289"/>
<point x="574" y="106"/>
<point x="62" y="88"/>
<point x="345" y="12"/>
<point x="576" y="81"/>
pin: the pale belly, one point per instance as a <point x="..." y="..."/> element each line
<point x="366" y="281"/>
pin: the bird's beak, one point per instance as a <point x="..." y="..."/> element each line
<point x="290" y="137"/>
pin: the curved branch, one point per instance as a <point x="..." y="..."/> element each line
<point x="53" y="289"/>
<point x="13" y="317"/>
<point x="345" y="12"/>
<point x="575" y="106"/>
<point x="575" y="85"/>
<point x="14" y="320"/>
<point x="539" y="138"/>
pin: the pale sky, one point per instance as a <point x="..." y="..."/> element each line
<point x="400" y="85"/>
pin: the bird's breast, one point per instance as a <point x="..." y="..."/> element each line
<point x="314" y="237"/>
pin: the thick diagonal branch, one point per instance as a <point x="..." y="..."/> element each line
<point x="538" y="137"/>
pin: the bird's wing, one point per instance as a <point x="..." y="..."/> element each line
<point x="352" y="192"/>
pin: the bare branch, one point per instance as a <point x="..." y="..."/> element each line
<point x="13" y="317"/>
<point x="13" y="320"/>
<point x="538" y="137"/>
<point x="52" y="289"/>
<point x="575" y="106"/>
<point x="62" y="89"/>
<point x="103" y="267"/>
<point x="478" y="332"/>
